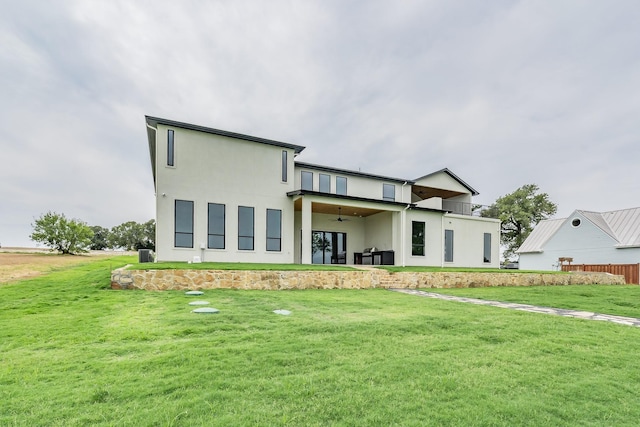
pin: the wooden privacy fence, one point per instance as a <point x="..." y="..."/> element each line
<point x="631" y="272"/>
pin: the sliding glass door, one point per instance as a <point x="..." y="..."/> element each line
<point x="329" y="247"/>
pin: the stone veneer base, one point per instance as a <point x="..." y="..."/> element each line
<point x="161" y="280"/>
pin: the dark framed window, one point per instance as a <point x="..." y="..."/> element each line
<point x="389" y="192"/>
<point x="306" y="180"/>
<point x="341" y="185"/>
<point x="215" y="226"/>
<point x="284" y="165"/>
<point x="448" y="245"/>
<point x="245" y="228"/>
<point x="183" y="236"/>
<point x="487" y="247"/>
<point x="325" y="183"/>
<point x="274" y="230"/>
<point x="170" y="148"/>
<point x="417" y="238"/>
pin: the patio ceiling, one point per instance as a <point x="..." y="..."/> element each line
<point x="429" y="192"/>
<point x="330" y="209"/>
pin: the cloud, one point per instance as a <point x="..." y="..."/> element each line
<point x="505" y="94"/>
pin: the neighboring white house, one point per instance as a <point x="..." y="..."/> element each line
<point x="587" y="237"/>
<point x="227" y="197"/>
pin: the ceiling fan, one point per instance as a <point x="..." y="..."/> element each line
<point x="340" y="219"/>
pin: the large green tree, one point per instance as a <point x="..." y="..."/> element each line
<point x="56" y="231"/>
<point x="99" y="239"/>
<point x="131" y="235"/>
<point x="519" y="212"/>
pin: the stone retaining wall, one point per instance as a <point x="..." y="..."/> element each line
<point x="160" y="280"/>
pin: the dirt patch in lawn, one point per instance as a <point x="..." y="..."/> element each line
<point x="17" y="266"/>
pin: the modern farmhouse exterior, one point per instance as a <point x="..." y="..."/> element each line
<point x="227" y="197"/>
<point x="585" y="237"/>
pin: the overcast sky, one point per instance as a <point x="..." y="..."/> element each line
<point x="503" y="93"/>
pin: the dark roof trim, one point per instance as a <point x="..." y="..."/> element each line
<point x="358" y="199"/>
<point x="155" y="121"/>
<point x="454" y="176"/>
<point x="352" y="173"/>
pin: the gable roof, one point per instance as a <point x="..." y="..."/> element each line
<point x="540" y="235"/>
<point x="622" y="225"/>
<point x="452" y="175"/>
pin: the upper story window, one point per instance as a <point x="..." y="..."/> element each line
<point x="170" y="148"/>
<point x="306" y="180"/>
<point x="284" y="165"/>
<point x="389" y="192"/>
<point x="341" y="185"/>
<point x="325" y="183"/>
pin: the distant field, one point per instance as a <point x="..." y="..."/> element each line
<point x="23" y="263"/>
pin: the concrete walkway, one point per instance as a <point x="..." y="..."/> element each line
<point x="630" y="321"/>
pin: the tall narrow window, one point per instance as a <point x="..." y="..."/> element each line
<point x="389" y="192"/>
<point x="417" y="238"/>
<point x="487" y="247"/>
<point x="274" y="230"/>
<point x="341" y="185"/>
<point x="284" y="165"/>
<point x="306" y="180"/>
<point x="245" y="228"/>
<point x="215" y="227"/>
<point x="448" y="245"/>
<point x="170" y="148"/>
<point x="325" y="183"/>
<point x="183" y="236"/>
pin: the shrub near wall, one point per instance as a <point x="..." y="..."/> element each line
<point x="279" y="280"/>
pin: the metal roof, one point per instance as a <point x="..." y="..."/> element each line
<point x="540" y="235"/>
<point x="622" y="225"/>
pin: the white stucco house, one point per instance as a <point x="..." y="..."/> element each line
<point x="587" y="237"/>
<point x="228" y="197"/>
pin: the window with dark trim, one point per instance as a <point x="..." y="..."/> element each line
<point x="487" y="247"/>
<point x="284" y="165"/>
<point x="389" y="192"/>
<point x="170" y="148"/>
<point x="274" y="230"/>
<point x="183" y="236"/>
<point x="306" y="180"/>
<point x="341" y="185"/>
<point x="215" y="226"/>
<point x="417" y="238"/>
<point x="325" y="183"/>
<point x="245" y="228"/>
<point x="448" y="245"/>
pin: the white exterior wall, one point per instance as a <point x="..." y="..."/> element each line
<point x="369" y="188"/>
<point x="468" y="240"/>
<point x="586" y="244"/>
<point x="216" y="169"/>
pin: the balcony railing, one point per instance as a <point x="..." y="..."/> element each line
<point x="463" y="208"/>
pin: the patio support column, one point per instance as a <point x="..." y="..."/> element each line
<point x="306" y="231"/>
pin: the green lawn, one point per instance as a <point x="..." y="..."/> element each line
<point x="73" y="352"/>
<point x="430" y="269"/>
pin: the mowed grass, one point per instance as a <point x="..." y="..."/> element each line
<point x="73" y="352"/>
<point x="238" y="266"/>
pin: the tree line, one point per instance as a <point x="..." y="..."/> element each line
<point x="73" y="236"/>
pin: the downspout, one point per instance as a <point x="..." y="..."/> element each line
<point x="442" y="241"/>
